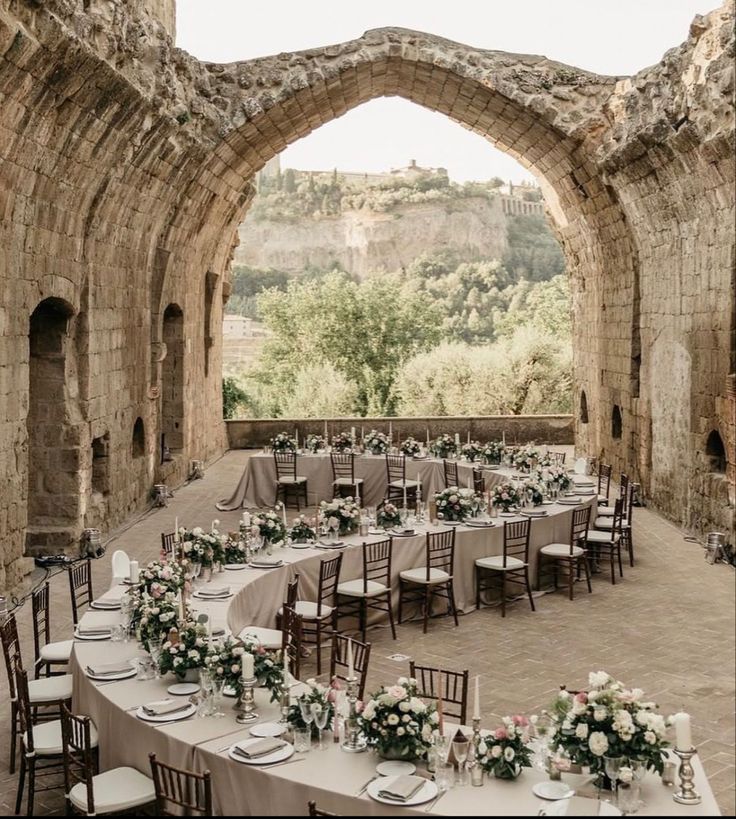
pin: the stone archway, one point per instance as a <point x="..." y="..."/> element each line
<point x="55" y="458"/>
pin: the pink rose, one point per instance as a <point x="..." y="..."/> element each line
<point x="398" y="692"/>
<point x="500" y="733"/>
<point x="581" y="696"/>
<point x="521" y="720"/>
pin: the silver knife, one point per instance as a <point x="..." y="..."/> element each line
<point x="363" y="789"/>
<point x="434" y="801"/>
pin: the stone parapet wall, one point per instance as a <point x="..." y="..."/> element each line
<point x="555" y="430"/>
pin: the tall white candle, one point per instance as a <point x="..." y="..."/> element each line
<point x="468" y="436"/>
<point x="351" y="665"/>
<point x="176" y="529"/>
<point x="286" y="667"/>
<point x="212" y="527"/>
<point x="248" y="666"/>
<point x="476" y="707"/>
<point x="325" y="430"/>
<point x="362" y="434"/>
<point x="503" y="437"/>
<point x="134" y="571"/>
<point x="352" y="433"/>
<point x="405" y="497"/>
<point x="457" y="440"/>
<point x="209" y="631"/>
<point x="683" y="732"/>
<point x="181" y="606"/>
<point x="246" y="519"/>
<point x="283" y="512"/>
<point x="296" y="435"/>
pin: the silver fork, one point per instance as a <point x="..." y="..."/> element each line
<point x="363" y="789"/>
<point x="434" y="801"/>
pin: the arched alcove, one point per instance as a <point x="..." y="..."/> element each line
<point x="616" y="423"/>
<point x="583" y="408"/>
<point x="172" y="379"/>
<point x="138" y="443"/>
<point x="715" y="452"/>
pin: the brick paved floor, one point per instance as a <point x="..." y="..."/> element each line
<point x="667" y="628"/>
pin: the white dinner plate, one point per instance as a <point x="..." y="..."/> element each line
<point x="508" y="514"/>
<point x="267" y="729"/>
<point x="212" y="597"/>
<point x="552" y="790"/>
<point x="395" y="768"/>
<point x="183" y="689"/>
<point x="451" y="522"/>
<point x="302" y="545"/>
<point x="492" y="467"/>
<point x="103" y="605"/>
<point x="122" y="675"/>
<point x="235" y="567"/>
<point x="93" y="638"/>
<point x="276" y="756"/>
<point x="426" y="793"/>
<point x="548" y="503"/>
<point x="541" y="514"/>
<point x="270" y="566"/>
<point x="175" y="717"/>
<point x="401" y="533"/>
<point x="570" y="501"/>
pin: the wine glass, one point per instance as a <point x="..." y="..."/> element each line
<point x="306" y="712"/>
<point x="196" y="572"/>
<point x="319" y="715"/>
<point x="155" y="645"/>
<point x="218" y="688"/>
<point x="126" y="616"/>
<point x="206" y="683"/>
<point x="460" y="749"/>
<point x="612" y="765"/>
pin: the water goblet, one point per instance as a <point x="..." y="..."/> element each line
<point x="306" y="712"/>
<point x="218" y="688"/>
<point x="302" y="740"/>
<point x="460" y="749"/>
<point x="206" y="685"/>
<point x="628" y="801"/>
<point x="155" y="645"/>
<point x="319" y="714"/>
<point x="442" y="747"/>
<point x="444" y="776"/>
<point x="612" y="765"/>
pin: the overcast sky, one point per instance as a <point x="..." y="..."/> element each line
<point x="618" y="37"/>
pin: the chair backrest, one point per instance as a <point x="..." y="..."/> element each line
<point x="291" y="638"/>
<point x="285" y="464"/>
<point x="41" y="618"/>
<point x="618" y="518"/>
<point x="604" y="480"/>
<point x="579" y="527"/>
<point x="343" y="465"/>
<point x="292" y="591"/>
<point x="450" y="469"/>
<point x="25" y="713"/>
<point x="377" y="563"/>
<point x="479" y="482"/>
<point x="180" y="792"/>
<point x="628" y="511"/>
<point x="329" y="578"/>
<point x="440" y="551"/>
<point x="11" y="651"/>
<point x="339" y="660"/>
<point x="395" y="468"/>
<point x="452" y="686"/>
<point x="624" y="493"/>
<point x="120" y="564"/>
<point x="80" y="587"/>
<point x="557" y="458"/>
<point x="516" y="540"/>
<point x="79" y="758"/>
<point x="168" y="545"/>
<point x="315" y="811"/>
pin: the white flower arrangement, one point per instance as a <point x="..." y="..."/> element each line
<point x="155" y="617"/>
<point x="388" y="515"/>
<point x="443" y="446"/>
<point x="188" y="651"/>
<point x="343" y="442"/>
<point x="198" y="546"/>
<point x="340" y="514"/>
<point x="506" y="495"/>
<point x="160" y="577"/>
<point x="533" y="489"/>
<point x="493" y="452"/>
<point x="270" y="526"/>
<point x="283" y="442"/>
<point x="505" y="751"/>
<point x="315" y="443"/>
<point x="526" y="458"/>
<point x="472" y="451"/>
<point x="557" y="475"/>
<point x="377" y="443"/>
<point x="455" y="503"/>
<point x="410" y="446"/>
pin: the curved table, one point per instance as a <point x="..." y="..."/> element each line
<point x="332" y="778"/>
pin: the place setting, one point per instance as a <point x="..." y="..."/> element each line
<point x="165" y="711"/>
<point x="214" y="595"/>
<point x="111" y="672"/>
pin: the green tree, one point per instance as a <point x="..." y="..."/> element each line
<point x="533" y="252"/>
<point x="289" y="181"/>
<point x="233" y="397"/>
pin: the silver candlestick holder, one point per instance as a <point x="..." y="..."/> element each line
<point x="284" y="702"/>
<point x="476" y="769"/>
<point x="246" y="703"/>
<point x="354" y="743"/>
<point x="686" y="793"/>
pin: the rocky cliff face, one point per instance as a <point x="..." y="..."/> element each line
<point x="362" y="241"/>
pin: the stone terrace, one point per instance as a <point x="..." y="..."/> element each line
<point x="667" y="628"/>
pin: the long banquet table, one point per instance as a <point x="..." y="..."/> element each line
<point x="257" y="485"/>
<point x="331" y="777"/>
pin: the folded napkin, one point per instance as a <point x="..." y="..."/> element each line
<point x="405" y="532"/>
<point x="108" y="669"/>
<point x="93" y="631"/>
<point x="402" y="788"/>
<point x="215" y="592"/>
<point x="255" y="750"/>
<point x="266" y="561"/>
<point x="331" y="544"/>
<point x="160" y="709"/>
<point x="535" y="513"/>
<point x="107" y="604"/>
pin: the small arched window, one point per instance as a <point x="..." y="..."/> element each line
<point x="715" y="452"/>
<point x="616" y="423"/>
<point x="139" y="438"/>
<point x="583" y="408"/>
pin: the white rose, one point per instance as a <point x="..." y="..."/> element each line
<point x="599" y="714"/>
<point x="370" y="710"/>
<point x="393" y="719"/>
<point x="581" y="731"/>
<point x="509" y="754"/>
<point x="400" y="732"/>
<point x="482" y="748"/>
<point x="598" y="743"/>
<point x="650" y="737"/>
<point x="406" y="718"/>
<point x="417" y="706"/>
<point x="598" y="679"/>
<point x="496" y="751"/>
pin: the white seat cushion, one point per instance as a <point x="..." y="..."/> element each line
<point x="267" y="637"/>
<point x="292" y="480"/>
<point x="420" y="576"/>
<point x="606" y="511"/>
<point x="602" y="499"/>
<point x="347" y="482"/>
<point x="561" y="550"/>
<point x="50" y="689"/>
<point x="308" y="610"/>
<point x="47" y="738"/>
<point x="604" y="523"/>
<point x="496" y="563"/>
<point x="405" y="484"/>
<point x="601" y="537"/>
<point x="115" y="791"/>
<point x="354" y="588"/>
<point x="57" y="652"/>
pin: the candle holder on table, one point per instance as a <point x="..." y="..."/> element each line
<point x="476" y="769"/>
<point x="246" y="703"/>
<point x="354" y="743"/>
<point x="284" y="702"/>
<point x="686" y="793"/>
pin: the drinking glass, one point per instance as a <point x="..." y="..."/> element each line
<point x="218" y="687"/>
<point x="196" y="571"/>
<point x="126" y="616"/>
<point x="319" y="714"/>
<point x="444" y="776"/>
<point x="442" y="746"/>
<point x="305" y="708"/>
<point x="302" y="740"/>
<point x="460" y="749"/>
<point x="117" y="633"/>
<point x="628" y="801"/>
<point x="154" y="649"/>
<point x="612" y="765"/>
<point x="206" y="684"/>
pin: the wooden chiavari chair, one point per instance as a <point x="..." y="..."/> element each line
<point x="80" y="588"/>
<point x="450" y="470"/>
<point x="433" y="579"/>
<point x="452" y="686"/>
<point x="604" y="483"/>
<point x="572" y="555"/>
<point x="343" y="474"/>
<point x="287" y="481"/>
<point x="291" y="639"/>
<point x="180" y="792"/>
<point x="604" y="543"/>
<point x="169" y="546"/>
<point x="373" y="590"/>
<point x="315" y="811"/>
<point x="273" y="638"/>
<point x="479" y="482"/>
<point x="557" y="458"/>
<point x="606" y="511"/>
<point x="512" y="566"/>
<point x="397" y="482"/>
<point x="339" y="660"/>
<point x="46" y="653"/>
<point x="604" y="521"/>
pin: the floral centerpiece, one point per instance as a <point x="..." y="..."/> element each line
<point x="235" y="550"/>
<point x="472" y="451"/>
<point x="301" y="531"/>
<point x="556" y="475"/>
<point x="225" y="659"/>
<point x="315" y="443"/>
<point x="443" y="446"/>
<point x="609" y="720"/>
<point x="340" y="514"/>
<point x="534" y="489"/>
<point x="270" y="526"/>
<point x="316" y="697"/>
<point x="493" y="452"/>
<point x="188" y="652"/>
<point x="377" y="443"/>
<point x="410" y="446"/>
<point x="397" y="723"/>
<point x="455" y="503"/>
<point x="505" y="751"/>
<point x="283" y="442"/>
<point x="526" y="458"/>
<point x="155" y="617"/>
<point x="505" y="495"/>
<point x="206" y="548"/>
<point x="160" y="577"/>
<point x="388" y="515"/>
<point x="343" y="442"/>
